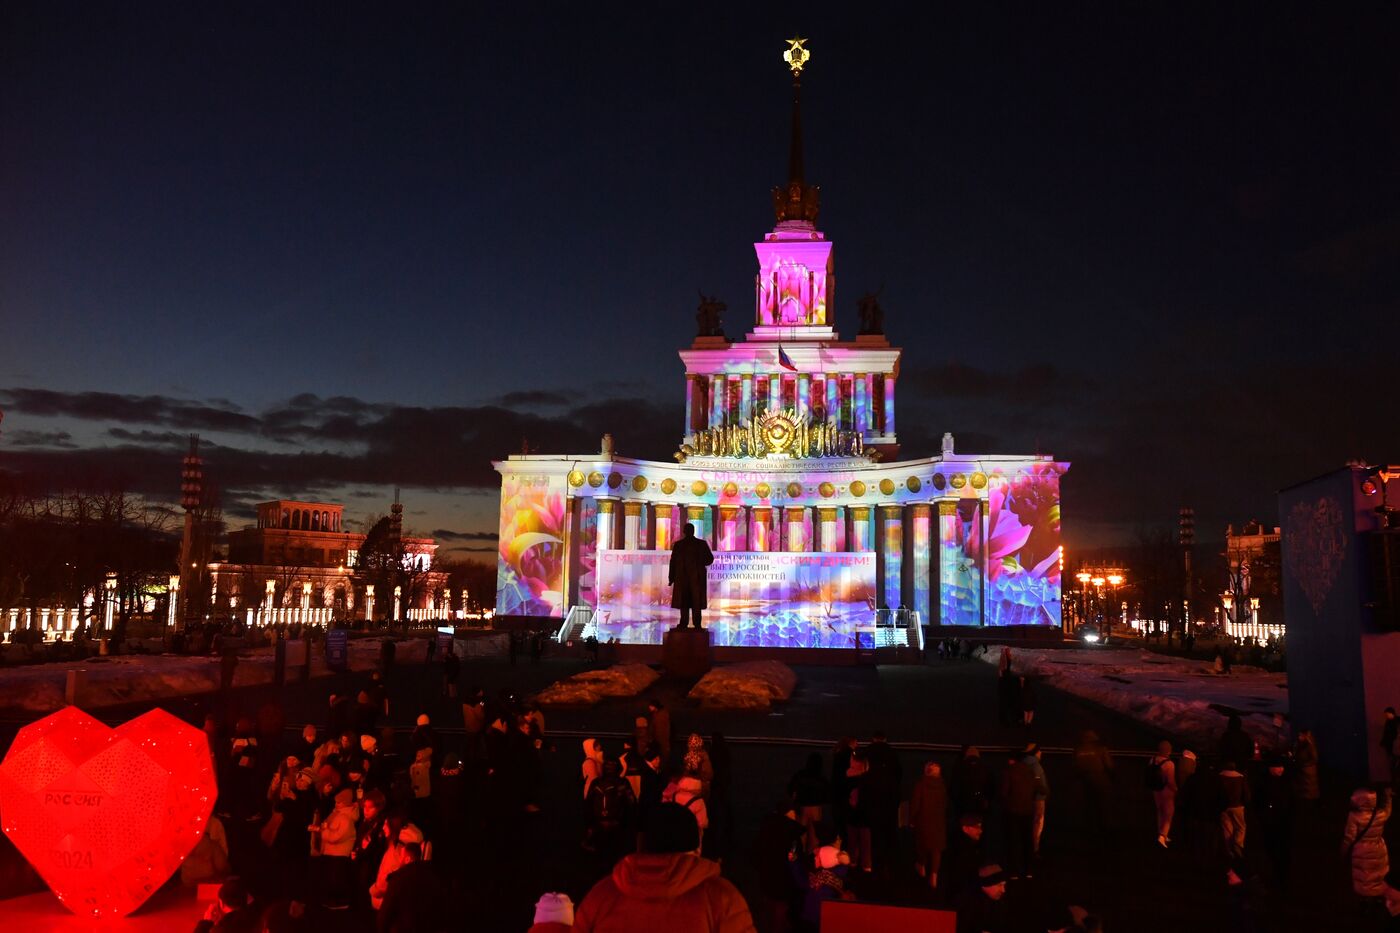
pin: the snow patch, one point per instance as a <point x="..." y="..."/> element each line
<point x="590" y="687"/>
<point x="750" y="685"/>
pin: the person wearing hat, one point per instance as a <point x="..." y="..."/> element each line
<point x="233" y="911"/>
<point x="554" y="913"/>
<point x="965" y="855"/>
<point x="983" y="908"/>
<point x="1018" y="789"/>
<point x="928" y="817"/>
<point x="395" y="857"/>
<point x="337" y="841"/>
<point x="665" y="886"/>
<point x="825" y="876"/>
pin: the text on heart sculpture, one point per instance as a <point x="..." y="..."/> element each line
<point x="106" y="815"/>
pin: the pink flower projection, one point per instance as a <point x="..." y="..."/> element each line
<point x="530" y="565"/>
<point x="106" y="815"/>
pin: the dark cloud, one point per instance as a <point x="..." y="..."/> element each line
<point x="131" y="409"/>
<point x="446" y="534"/>
<point x="149" y="437"/>
<point x="24" y="438"/>
<point x="959" y="380"/>
<point x="538" y="398"/>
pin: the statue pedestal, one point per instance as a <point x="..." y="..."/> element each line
<point x="686" y="653"/>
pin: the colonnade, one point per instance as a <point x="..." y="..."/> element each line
<point x="903" y="536"/>
<point x="856" y="401"/>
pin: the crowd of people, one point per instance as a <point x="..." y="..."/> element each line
<point x="353" y="825"/>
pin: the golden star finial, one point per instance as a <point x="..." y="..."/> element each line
<point x="796" y="55"/>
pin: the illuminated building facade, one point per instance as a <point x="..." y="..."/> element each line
<point x="297" y="563"/>
<point x="787" y="466"/>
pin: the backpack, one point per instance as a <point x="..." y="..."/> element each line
<point x="1152" y="777"/>
<point x="609" y="802"/>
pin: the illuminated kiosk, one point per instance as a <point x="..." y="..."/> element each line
<point x="822" y="539"/>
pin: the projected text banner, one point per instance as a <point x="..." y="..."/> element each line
<point x="757" y="599"/>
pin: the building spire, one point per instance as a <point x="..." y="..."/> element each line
<point x="798" y="201"/>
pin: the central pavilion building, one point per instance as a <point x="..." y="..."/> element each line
<point x="787" y="463"/>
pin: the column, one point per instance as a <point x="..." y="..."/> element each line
<point x="920" y="546"/>
<point x="860" y="403"/>
<point x="804" y="393"/>
<point x="305" y="596"/>
<point x="369" y="603"/>
<point x="889" y="403"/>
<point x="833" y="396"/>
<point x="869" y="402"/>
<point x="172" y="610"/>
<point x="746" y="397"/>
<point x="699" y="516"/>
<point x="862" y="537"/>
<point x="716" y="400"/>
<point x="761" y="528"/>
<point x="794" y="528"/>
<point x="827" y="516"/>
<point x="818" y="394"/>
<point x="631" y="525"/>
<point x="398" y="602"/>
<point x="891" y="554"/>
<point x="727" y="535"/>
<point x="689" y="403"/>
<point x="775" y="391"/>
<point x="606" y="523"/>
<point x="665" y="527"/>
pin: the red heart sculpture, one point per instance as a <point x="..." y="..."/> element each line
<point x="106" y="815"/>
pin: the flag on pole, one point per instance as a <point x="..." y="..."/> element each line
<point x="784" y="361"/>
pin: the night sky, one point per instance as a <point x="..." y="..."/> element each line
<point x="356" y="246"/>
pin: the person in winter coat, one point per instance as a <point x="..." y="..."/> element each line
<point x="809" y="792"/>
<point x="1363" y="841"/>
<point x="610" y="807"/>
<point x="1009" y="698"/>
<point x="665" y="887"/>
<point x="1273" y="811"/>
<point x="1018" y="790"/>
<point x="1305" y="766"/>
<point x="420" y="777"/>
<point x="697" y="759"/>
<point x="840" y="790"/>
<point x="1042" y="794"/>
<point x="687" y="792"/>
<point x="233" y="912"/>
<point x="1234" y="797"/>
<point x="660" y="727"/>
<point x="775" y="850"/>
<point x="882" y="787"/>
<point x="592" y="767"/>
<point x="823" y="880"/>
<point x="1235" y="744"/>
<point x="928" y="815"/>
<point x="1093" y="770"/>
<point x="415" y="898"/>
<point x="400" y="836"/>
<point x="1161" y="780"/>
<point x="964" y="857"/>
<point x="371" y="841"/>
<point x="336" y="836"/>
<point x="1028" y="701"/>
<point x="208" y="862"/>
<point x="973" y="782"/>
<point x="858" y="811"/>
<point x="983" y="908"/>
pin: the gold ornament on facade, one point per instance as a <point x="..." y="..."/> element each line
<point x="913" y="484"/>
<point x="614" y="480"/>
<point x="731" y="489"/>
<point x="776" y="433"/>
<point x="979" y="480"/>
<point x="668" y="485"/>
<point x="827" y="490"/>
<point x="958" y="481"/>
<point x="576" y="478"/>
<point x="887" y="487"/>
<point x="763" y="490"/>
<point x="595" y="479"/>
<point x="939" y="481"/>
<point x="857" y="488"/>
<point x="699" y="487"/>
<point x="794" y="490"/>
<point x="639" y="483"/>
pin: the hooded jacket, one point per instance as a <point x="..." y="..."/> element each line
<point x="676" y="892"/>
<point x="1364" y="842"/>
<point x="338" y="833"/>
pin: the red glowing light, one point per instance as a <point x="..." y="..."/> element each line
<point x="106" y="815"/>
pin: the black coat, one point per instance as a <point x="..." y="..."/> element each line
<point x="413" y="901"/>
<point x="689" y="558"/>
